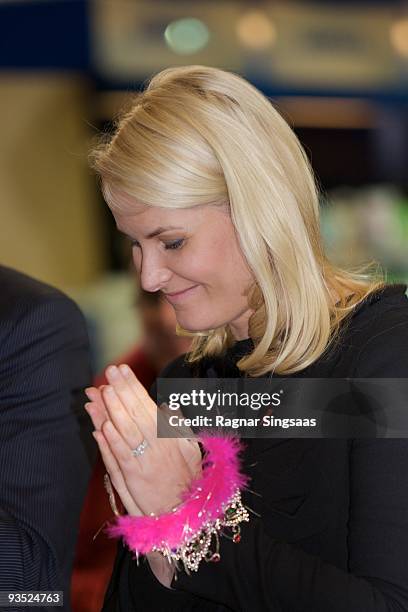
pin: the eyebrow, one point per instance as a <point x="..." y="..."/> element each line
<point x="157" y="231"/>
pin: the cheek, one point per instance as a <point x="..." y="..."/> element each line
<point x="218" y="263"/>
<point x="227" y="260"/>
<point x="202" y="268"/>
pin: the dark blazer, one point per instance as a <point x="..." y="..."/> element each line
<point x="330" y="533"/>
<point x="46" y="447"/>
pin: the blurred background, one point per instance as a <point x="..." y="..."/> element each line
<point x="337" y="71"/>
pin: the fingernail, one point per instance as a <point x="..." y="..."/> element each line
<point x="107" y="390"/>
<point x="124" y="369"/>
<point x="112" y="371"/>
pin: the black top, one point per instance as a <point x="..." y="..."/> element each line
<point x="332" y="534"/>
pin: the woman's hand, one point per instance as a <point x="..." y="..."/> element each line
<point x="124" y="415"/>
<point x="97" y="411"/>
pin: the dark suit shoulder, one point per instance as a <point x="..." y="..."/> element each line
<point x="36" y="319"/>
<point x="16" y="287"/>
<point x="22" y="297"/>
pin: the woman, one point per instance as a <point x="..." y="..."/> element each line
<point x="218" y="199"/>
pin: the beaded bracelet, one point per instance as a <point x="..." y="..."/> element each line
<point x="212" y="503"/>
<point x="198" y="546"/>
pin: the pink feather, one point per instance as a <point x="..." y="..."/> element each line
<point x="204" y="501"/>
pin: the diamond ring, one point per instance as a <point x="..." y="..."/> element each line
<point x="140" y="448"/>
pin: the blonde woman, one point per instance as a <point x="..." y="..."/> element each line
<point x="217" y="196"/>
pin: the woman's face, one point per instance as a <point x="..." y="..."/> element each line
<point x="201" y="253"/>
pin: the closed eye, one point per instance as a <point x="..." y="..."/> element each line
<point x="176" y="244"/>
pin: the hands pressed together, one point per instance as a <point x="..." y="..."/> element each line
<point x="124" y="415"/>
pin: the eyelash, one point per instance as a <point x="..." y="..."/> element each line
<point x="170" y="246"/>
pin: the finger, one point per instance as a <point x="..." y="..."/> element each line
<point x="115" y="474"/>
<point x="130" y="400"/>
<point x="95" y="395"/>
<point x="96" y="415"/>
<point x="120" y="417"/>
<point x="93" y="413"/>
<point x="132" y="393"/>
<point x="121" y="449"/>
<point x="138" y="389"/>
<point x="90" y="393"/>
<point x="96" y="408"/>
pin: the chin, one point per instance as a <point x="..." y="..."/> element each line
<point x="195" y="326"/>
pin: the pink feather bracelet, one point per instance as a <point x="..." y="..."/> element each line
<point x="212" y="503"/>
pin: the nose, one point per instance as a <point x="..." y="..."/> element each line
<point x="153" y="273"/>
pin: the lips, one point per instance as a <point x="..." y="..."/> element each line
<point x="175" y="297"/>
<point x="180" y="292"/>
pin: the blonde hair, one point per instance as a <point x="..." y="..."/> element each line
<point x="199" y="135"/>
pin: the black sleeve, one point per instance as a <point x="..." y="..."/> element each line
<point x="265" y="573"/>
<point x="46" y="447"/>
